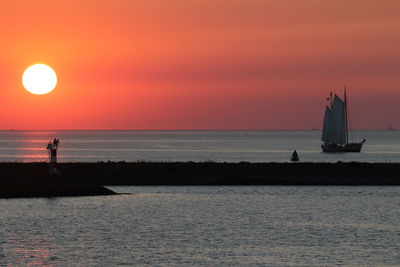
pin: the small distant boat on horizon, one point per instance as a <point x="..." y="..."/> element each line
<point x="391" y="128"/>
<point x="335" y="131"/>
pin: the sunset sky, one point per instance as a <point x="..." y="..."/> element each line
<point x="200" y="64"/>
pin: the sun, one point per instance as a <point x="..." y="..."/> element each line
<point x="39" y="79"/>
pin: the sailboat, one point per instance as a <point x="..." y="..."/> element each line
<point x="335" y="131"/>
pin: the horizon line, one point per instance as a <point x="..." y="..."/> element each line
<point x="235" y="129"/>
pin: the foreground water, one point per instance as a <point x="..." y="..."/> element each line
<point x="219" y="146"/>
<point x="224" y="225"/>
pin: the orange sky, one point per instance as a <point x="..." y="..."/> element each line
<point x="199" y="64"/>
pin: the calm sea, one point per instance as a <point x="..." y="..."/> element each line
<point x="219" y="146"/>
<point x="217" y="226"/>
<point x="206" y="226"/>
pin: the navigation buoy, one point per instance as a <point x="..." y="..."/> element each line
<point x="295" y="156"/>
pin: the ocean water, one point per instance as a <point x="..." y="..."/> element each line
<point x="166" y="146"/>
<point x="206" y="226"/>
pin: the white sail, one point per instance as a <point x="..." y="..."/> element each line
<point x="325" y="128"/>
<point x="334" y="123"/>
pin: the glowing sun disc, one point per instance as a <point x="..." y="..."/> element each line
<point x="39" y="79"/>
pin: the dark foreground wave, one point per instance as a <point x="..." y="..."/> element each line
<point x="81" y="175"/>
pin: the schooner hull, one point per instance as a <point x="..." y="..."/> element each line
<point x="351" y="147"/>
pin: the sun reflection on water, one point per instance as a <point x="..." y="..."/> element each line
<point x="30" y="251"/>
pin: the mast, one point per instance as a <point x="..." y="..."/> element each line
<point x="346" y="117"/>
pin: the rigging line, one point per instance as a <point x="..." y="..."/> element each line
<point x="353" y="136"/>
<point x="349" y="122"/>
<point x="359" y="128"/>
<point x="356" y="128"/>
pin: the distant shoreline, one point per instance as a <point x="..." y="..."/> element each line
<point x="208" y="173"/>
